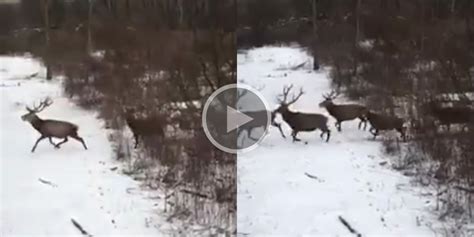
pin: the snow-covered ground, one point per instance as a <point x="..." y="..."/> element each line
<point x="83" y="183"/>
<point x="348" y="176"/>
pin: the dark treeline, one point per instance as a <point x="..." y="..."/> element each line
<point x="160" y="58"/>
<point x="414" y="59"/>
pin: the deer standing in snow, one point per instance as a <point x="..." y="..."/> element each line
<point x="144" y="127"/>
<point x="385" y="122"/>
<point x="49" y="128"/>
<point x="447" y="115"/>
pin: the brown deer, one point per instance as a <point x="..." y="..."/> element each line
<point x="449" y="115"/>
<point x="144" y="127"/>
<point x="259" y="121"/>
<point x="301" y="122"/>
<point x="259" y="117"/>
<point x="380" y="122"/>
<point x="344" y="112"/>
<point x="49" y="128"/>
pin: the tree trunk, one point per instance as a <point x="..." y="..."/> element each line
<point x="89" y="27"/>
<point x="453" y="6"/>
<point x="127" y="8"/>
<point x="180" y="13"/>
<point x="314" y="8"/>
<point x="45" y="3"/>
<point x="422" y="31"/>
<point x="469" y="40"/>
<point x="356" y="37"/>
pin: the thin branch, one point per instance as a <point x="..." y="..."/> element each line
<point x="79" y="227"/>
<point x="206" y="75"/>
<point x="314" y="177"/>
<point x="47" y="182"/>
<point x="349" y="227"/>
<point x="201" y="195"/>
<point x="299" y="66"/>
<point x="465" y="189"/>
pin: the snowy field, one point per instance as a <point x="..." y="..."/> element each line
<point x="42" y="191"/>
<point x="293" y="189"/>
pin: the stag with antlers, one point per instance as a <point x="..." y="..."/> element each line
<point x="301" y="122"/>
<point x="51" y="128"/>
<point x="344" y="112"/>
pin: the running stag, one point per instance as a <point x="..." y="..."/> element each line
<point x="49" y="128"/>
<point x="344" y="112"/>
<point x="301" y="122"/>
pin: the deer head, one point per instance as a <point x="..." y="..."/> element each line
<point x="328" y="98"/>
<point x="284" y="101"/>
<point x="31" y="115"/>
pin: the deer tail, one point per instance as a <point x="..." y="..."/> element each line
<point x="74" y="127"/>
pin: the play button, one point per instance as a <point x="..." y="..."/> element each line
<point x="235" y="118"/>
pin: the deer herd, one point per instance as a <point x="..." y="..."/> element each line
<point x="297" y="121"/>
<point x="306" y="122"/>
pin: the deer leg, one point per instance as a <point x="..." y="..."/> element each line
<point x="36" y="143"/>
<point x="136" y="140"/>
<point x="376" y="133"/>
<point x="293" y="134"/>
<point x="402" y="134"/>
<point x="51" y="141"/>
<point x="362" y="120"/>
<point x="338" y="125"/>
<point x="279" y="128"/>
<point x="76" y="137"/>
<point x="249" y="133"/>
<point x="62" y="142"/>
<point x="328" y="134"/>
<point x="239" y="132"/>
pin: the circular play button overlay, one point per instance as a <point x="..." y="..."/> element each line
<point x="235" y="118"/>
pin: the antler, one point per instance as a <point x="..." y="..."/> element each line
<point x="43" y="104"/>
<point x="241" y="93"/>
<point x="286" y="91"/>
<point x="330" y="96"/>
<point x="296" y="98"/>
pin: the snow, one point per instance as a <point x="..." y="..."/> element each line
<point x="276" y="197"/>
<point x="83" y="186"/>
